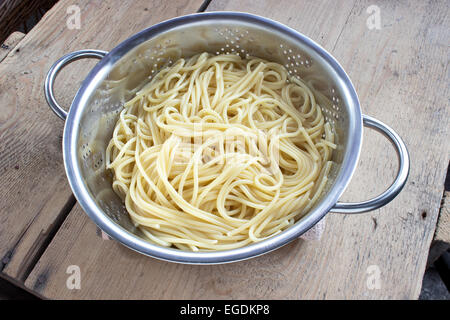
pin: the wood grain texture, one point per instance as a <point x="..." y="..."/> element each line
<point x="8" y="45"/>
<point x="441" y="239"/>
<point x="443" y="225"/>
<point x="35" y="192"/>
<point x="400" y="73"/>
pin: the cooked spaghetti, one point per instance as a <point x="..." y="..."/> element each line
<point x="217" y="152"/>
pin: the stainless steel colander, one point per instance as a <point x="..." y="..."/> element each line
<point x="122" y="71"/>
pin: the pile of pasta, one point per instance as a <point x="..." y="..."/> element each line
<point x="217" y="152"/>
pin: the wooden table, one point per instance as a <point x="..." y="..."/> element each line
<point x="400" y="72"/>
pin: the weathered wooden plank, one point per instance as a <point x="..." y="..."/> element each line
<point x="443" y="225"/>
<point x="441" y="239"/>
<point x="35" y="192"/>
<point x="400" y="73"/>
<point x="320" y="20"/>
<point x="8" y="45"/>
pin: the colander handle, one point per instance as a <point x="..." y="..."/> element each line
<point x="399" y="182"/>
<point x="56" y="68"/>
